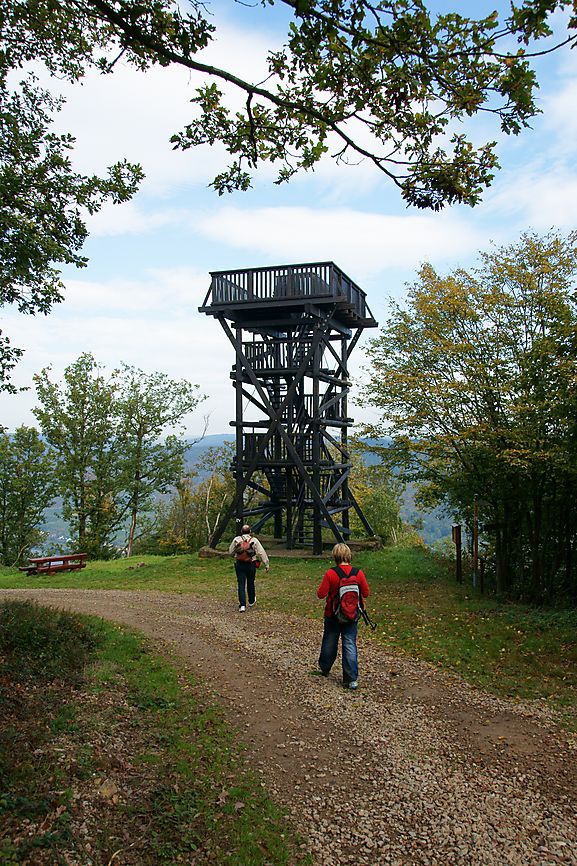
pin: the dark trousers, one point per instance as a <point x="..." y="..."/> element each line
<point x="245" y="574"/>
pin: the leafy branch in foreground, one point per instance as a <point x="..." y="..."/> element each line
<point x="43" y="203"/>
<point x="391" y="83"/>
<point x="385" y="82"/>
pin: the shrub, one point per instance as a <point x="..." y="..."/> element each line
<point x="43" y="643"/>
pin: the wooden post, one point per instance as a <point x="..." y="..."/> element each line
<point x="475" y="540"/>
<point x="456" y="535"/>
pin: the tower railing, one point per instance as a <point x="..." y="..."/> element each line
<point x="285" y="283"/>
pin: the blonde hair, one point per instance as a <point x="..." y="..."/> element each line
<point x="342" y="553"/>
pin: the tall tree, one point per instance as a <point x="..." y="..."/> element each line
<point x="27" y="487"/>
<point x="107" y="433"/>
<point x="79" y="419"/>
<point x="476" y="381"/>
<point x="148" y="406"/>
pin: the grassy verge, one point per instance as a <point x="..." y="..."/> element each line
<point x="107" y="751"/>
<point x="511" y="650"/>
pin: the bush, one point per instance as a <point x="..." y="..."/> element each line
<point x="43" y="643"/>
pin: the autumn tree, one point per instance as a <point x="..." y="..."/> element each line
<point x="476" y="381"/>
<point x="27" y="487"/>
<point x="378" y="493"/>
<point x="387" y="83"/>
<point x="185" y="520"/>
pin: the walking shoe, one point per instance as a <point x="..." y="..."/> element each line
<point x="241" y="608"/>
<point x="252" y="603"/>
<point x="353" y="685"/>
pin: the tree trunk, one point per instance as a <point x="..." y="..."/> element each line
<point x="130" y="542"/>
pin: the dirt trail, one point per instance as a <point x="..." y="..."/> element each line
<point x="430" y="770"/>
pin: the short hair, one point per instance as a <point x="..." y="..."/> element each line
<point x="246" y="528"/>
<point x="342" y="553"/>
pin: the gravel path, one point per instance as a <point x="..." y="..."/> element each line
<point x="415" y="768"/>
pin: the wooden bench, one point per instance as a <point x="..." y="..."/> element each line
<point x="54" y="564"/>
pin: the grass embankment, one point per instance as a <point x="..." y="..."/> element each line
<point x="512" y="650"/>
<point x="108" y="755"/>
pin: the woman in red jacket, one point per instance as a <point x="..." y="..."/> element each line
<point x="333" y="629"/>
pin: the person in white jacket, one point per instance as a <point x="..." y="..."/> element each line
<point x="247" y="551"/>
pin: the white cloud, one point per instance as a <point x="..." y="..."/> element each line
<point x="163" y="295"/>
<point x="561" y="117"/>
<point x="361" y="243"/>
<point x="153" y="325"/>
<point x="128" y="218"/>
<point x="540" y="196"/>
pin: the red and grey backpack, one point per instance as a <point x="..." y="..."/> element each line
<point x="244" y="549"/>
<point x="347" y="603"/>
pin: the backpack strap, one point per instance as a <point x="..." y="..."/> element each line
<point x="340" y="573"/>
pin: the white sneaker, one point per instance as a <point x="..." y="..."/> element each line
<point x="241" y="608"/>
<point x="252" y="603"/>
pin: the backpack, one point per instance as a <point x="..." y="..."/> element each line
<point x="244" y="549"/>
<point x="347" y="602"/>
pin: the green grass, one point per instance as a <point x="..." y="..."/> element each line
<point x="188" y="797"/>
<point x="511" y="650"/>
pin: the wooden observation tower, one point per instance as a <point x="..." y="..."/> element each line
<point x="293" y="329"/>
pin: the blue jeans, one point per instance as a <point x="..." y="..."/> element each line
<point x="245" y="574"/>
<point x="348" y="633"/>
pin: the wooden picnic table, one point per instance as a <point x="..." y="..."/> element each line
<point x="54" y="564"/>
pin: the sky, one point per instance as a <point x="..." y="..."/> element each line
<point x="150" y="259"/>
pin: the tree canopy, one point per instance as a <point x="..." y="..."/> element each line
<point x="389" y="82"/>
<point x="476" y="382"/>
<point x="384" y="81"/>
<point x="110" y="445"/>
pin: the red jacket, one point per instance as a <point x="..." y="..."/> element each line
<point x="330" y="586"/>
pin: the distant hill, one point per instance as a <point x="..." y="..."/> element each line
<point x="199" y="446"/>
<point x="431" y="525"/>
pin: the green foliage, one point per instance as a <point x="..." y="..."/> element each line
<point x="378" y="493"/>
<point x="186" y="520"/>
<point x="79" y="420"/>
<point x="476" y="383"/>
<point x="147" y="406"/>
<point x="44" y="645"/>
<point x="106" y="435"/>
<point x="27" y="486"/>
